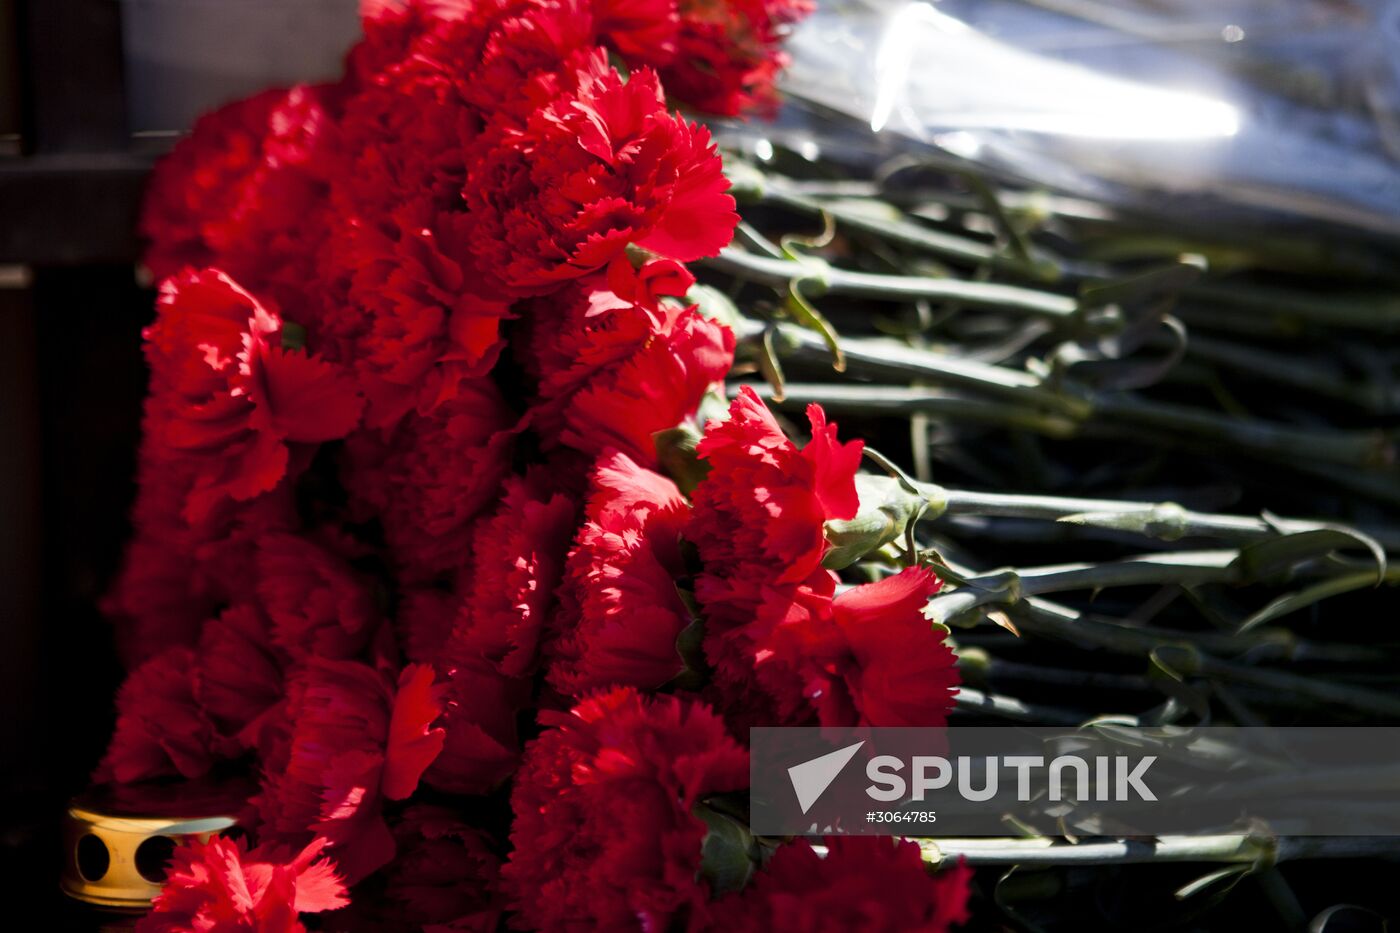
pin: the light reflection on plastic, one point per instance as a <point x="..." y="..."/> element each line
<point x="986" y="84"/>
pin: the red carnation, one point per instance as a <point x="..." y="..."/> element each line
<point x="229" y="397"/>
<point x="220" y="887"/>
<point x="428" y="479"/>
<point x="643" y="32"/>
<point x="868" y="883"/>
<point x="892" y="668"/>
<point x="517" y="560"/>
<point x="424" y="621"/>
<point x="353" y="739"/>
<point x="728" y="53"/>
<point x="317" y="604"/>
<point x="784" y="647"/>
<point x="161" y="731"/>
<point x="176" y="573"/>
<point x="236" y="678"/>
<point x="760" y="511"/>
<point x="866" y="657"/>
<point x="446" y="876"/>
<point x="623" y="612"/>
<point x="246" y="192"/>
<point x="201" y="181"/>
<point x="598" y="169"/>
<point x="426" y="323"/>
<point x="405" y="124"/>
<point x="482" y="748"/>
<point x="613" y="370"/>
<point x="530" y="51"/>
<point x="604" y="835"/>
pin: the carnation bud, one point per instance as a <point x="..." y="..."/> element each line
<point x="887" y="506"/>
<point x="675" y="452"/>
<point x="715" y="305"/>
<point x="746" y="182"/>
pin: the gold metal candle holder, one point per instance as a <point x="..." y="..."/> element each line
<point x="118" y="838"/>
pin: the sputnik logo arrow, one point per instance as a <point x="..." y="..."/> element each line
<point x="811" y="778"/>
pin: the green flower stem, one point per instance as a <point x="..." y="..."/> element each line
<point x="972" y="700"/>
<point x="884" y="221"/>
<point x="1239" y="849"/>
<point x="901" y="363"/>
<point x="938" y="403"/>
<point x="1294" y="372"/>
<point x="1183" y="568"/>
<point x="1125" y="412"/>
<point x="1367" y="449"/>
<point x="1181" y="651"/>
<point x="781" y="273"/>
<point x="1165" y="521"/>
<point x="980" y="667"/>
<point x="1379" y="311"/>
<point x="1186" y="652"/>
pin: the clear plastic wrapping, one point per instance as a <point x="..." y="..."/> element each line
<point x="1241" y="108"/>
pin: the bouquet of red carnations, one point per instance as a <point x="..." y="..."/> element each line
<point x="443" y="534"/>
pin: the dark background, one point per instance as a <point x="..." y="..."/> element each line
<point x="71" y="382"/>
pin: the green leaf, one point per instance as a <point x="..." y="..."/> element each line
<point x="768" y="364"/>
<point x="1292" y="602"/>
<point x="1166" y="521"/>
<point x="1230" y="875"/>
<point x="1266" y="558"/>
<point x="806" y="314"/>
<point x="690" y="646"/>
<point x="715" y="305"/>
<point x="1164" y="280"/>
<point x="729" y="855"/>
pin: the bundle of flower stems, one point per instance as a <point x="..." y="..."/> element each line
<point x="1157" y="468"/>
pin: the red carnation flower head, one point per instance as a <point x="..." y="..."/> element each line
<point x="869" y="883"/>
<point x="613" y="371"/>
<point x="622" y="612"/>
<point x="201" y="182"/>
<point x="728" y="53"/>
<point x="391" y="26"/>
<point x="517" y="561"/>
<point x="866" y="657"/>
<point x="318" y="605"/>
<point x="403" y="134"/>
<point x="229" y="397"/>
<point x="764" y="502"/>
<point x="219" y="886"/>
<point x="162" y="731"/>
<point x="643" y="32"/>
<point x="891" y="667"/>
<point x="784" y="647"/>
<point x="175" y="574"/>
<point x="354" y="739"/>
<point x="526" y="52"/>
<point x="246" y="192"/>
<point x="605" y="836"/>
<point x="237" y="677"/>
<point x="445" y="877"/>
<point x="598" y="169"/>
<point x="426" y="326"/>
<point x="424" y="621"/>
<point x="482" y="745"/>
<point x="431" y="476"/>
